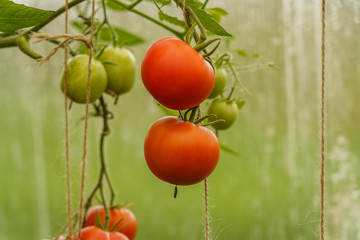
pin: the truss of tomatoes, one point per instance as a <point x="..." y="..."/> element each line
<point x="178" y="77"/>
<point x="122" y="224"/>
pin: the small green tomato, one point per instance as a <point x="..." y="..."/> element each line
<point x="223" y="109"/>
<point x="78" y="78"/>
<point x="120" y="65"/>
<point x="220" y="82"/>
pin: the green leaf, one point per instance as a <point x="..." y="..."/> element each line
<point x="219" y="10"/>
<point x="207" y="20"/>
<point x="217" y="13"/>
<point x="113" y="6"/>
<point x="228" y="149"/>
<point x="78" y="25"/>
<point x="16" y="16"/>
<point x="242" y="53"/>
<point x="240" y="104"/>
<point x="124" y="38"/>
<point x="164" y="2"/>
<point x="173" y="20"/>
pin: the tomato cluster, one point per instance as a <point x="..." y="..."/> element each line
<point x="178" y="151"/>
<point x="224" y="110"/>
<point x="122" y="225"/>
<point x="121" y="219"/>
<point x="114" y="73"/>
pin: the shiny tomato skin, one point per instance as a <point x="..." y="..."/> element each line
<point x="115" y="215"/>
<point x="95" y="233"/>
<point x="78" y="77"/>
<point x="180" y="152"/>
<point x="176" y="75"/>
<point x="120" y="66"/>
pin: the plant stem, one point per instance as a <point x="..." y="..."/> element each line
<point x="106" y="131"/>
<point x="131" y="9"/>
<point x="193" y="113"/>
<point x="203" y="35"/>
<point x="237" y="81"/>
<point x="53" y="16"/>
<point x="205" y="3"/>
<point x="106" y="21"/>
<point x="103" y="170"/>
<point x="8" y="41"/>
<point x="131" y="6"/>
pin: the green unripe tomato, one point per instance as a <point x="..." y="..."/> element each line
<point x="223" y="109"/>
<point x="78" y="78"/>
<point x="220" y="82"/>
<point x="120" y="65"/>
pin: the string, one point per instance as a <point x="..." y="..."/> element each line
<point x="206" y="210"/>
<point x="84" y="160"/>
<point x="68" y="180"/>
<point x="322" y="174"/>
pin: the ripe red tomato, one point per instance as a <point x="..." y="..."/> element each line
<point x="95" y="233"/>
<point x="176" y="75"/>
<point x="181" y="152"/>
<point x="115" y="215"/>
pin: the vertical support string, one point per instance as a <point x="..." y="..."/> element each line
<point x="322" y="143"/>
<point x="67" y="154"/>
<point x="206" y="210"/>
<point x="84" y="157"/>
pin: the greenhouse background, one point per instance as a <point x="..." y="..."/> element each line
<point x="270" y="190"/>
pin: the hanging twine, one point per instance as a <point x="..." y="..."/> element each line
<point x="84" y="160"/>
<point x="206" y="210"/>
<point x="64" y="43"/>
<point x="322" y="133"/>
<point x="68" y="181"/>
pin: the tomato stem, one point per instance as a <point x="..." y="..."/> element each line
<point x="182" y="115"/>
<point x="24" y="46"/>
<point x="106" y="21"/>
<point x="224" y="57"/>
<point x="237" y="81"/>
<point x="193" y="113"/>
<point x="188" y="10"/>
<point x="201" y="46"/>
<point x="189" y="34"/>
<point x="175" y="191"/>
<point x="130" y="7"/>
<point x="53" y="16"/>
<point x="103" y="170"/>
<point x="204" y="5"/>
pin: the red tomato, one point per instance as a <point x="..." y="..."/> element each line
<point x="181" y="152"/>
<point x="176" y="75"/>
<point x="95" y="233"/>
<point x="115" y="215"/>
